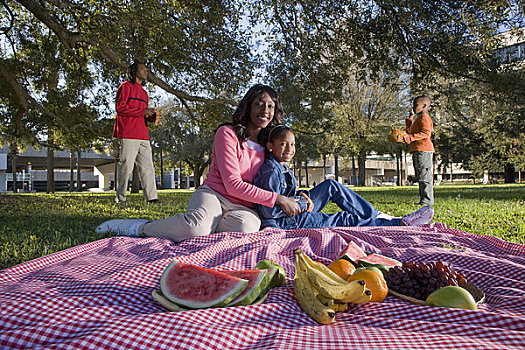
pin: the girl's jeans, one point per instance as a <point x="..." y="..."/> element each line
<point x="356" y="211"/>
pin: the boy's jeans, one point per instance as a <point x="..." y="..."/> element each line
<point x="356" y="210"/>
<point x="425" y="176"/>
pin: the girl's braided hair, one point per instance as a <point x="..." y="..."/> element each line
<point x="270" y="133"/>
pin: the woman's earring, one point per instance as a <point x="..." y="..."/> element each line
<point x="270" y="150"/>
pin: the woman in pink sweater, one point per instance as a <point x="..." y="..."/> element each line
<point x="225" y="201"/>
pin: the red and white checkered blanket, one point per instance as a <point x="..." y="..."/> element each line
<point x="98" y="295"/>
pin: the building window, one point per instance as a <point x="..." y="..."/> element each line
<point x="514" y="53"/>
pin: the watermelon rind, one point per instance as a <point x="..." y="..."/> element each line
<point x="371" y="260"/>
<point x="352" y="253"/>
<point x="171" y="306"/>
<point x="252" y="291"/>
<point x="279" y="278"/>
<point x="365" y="264"/>
<point x="272" y="273"/>
<point x="236" y="288"/>
<point x="162" y="300"/>
<point x="260" y="299"/>
<point x="378" y="259"/>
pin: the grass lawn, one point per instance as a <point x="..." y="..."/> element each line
<point x="33" y="225"/>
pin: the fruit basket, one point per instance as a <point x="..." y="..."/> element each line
<point x="415" y="281"/>
<point x="477" y="293"/>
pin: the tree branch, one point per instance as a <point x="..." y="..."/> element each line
<point x="69" y="39"/>
<point x="5" y="30"/>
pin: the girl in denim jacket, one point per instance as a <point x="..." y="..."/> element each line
<point x="274" y="175"/>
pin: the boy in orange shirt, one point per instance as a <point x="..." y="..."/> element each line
<point x="418" y="127"/>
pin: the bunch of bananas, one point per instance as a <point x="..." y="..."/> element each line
<point x="321" y="293"/>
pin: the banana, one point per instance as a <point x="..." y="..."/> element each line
<point x="320" y="274"/>
<point x="346" y="292"/>
<point x="307" y="299"/>
<point x="341" y="307"/>
<point x="367" y="295"/>
<point x="336" y="305"/>
<point x="320" y="267"/>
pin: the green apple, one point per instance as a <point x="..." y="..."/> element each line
<point x="452" y="296"/>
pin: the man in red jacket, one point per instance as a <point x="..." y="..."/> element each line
<point x="131" y="128"/>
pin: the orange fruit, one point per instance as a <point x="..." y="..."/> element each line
<point x="374" y="281"/>
<point x="342" y="268"/>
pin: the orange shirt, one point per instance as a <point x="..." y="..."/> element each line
<point x="419" y="130"/>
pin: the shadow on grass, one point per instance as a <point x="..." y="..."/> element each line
<point x="445" y="192"/>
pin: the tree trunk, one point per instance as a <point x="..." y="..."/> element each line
<point x="336" y="166"/>
<point x="300" y="180"/>
<point x="161" y="168"/>
<point x="79" y="172"/>
<point x="509" y="174"/>
<point x="71" y="170"/>
<point x="451" y="169"/>
<point x="354" y="175"/>
<point x="306" y="173"/>
<point x="116" y="150"/>
<point x="324" y="166"/>
<point x="14" y="154"/>
<point x="50" y="186"/>
<point x="405" y="175"/>
<point x="361" y="161"/>
<point x="135" y="182"/>
<point x="197" y="174"/>
<point x="401" y="168"/>
<point x="398" y="166"/>
<point x="179" y="176"/>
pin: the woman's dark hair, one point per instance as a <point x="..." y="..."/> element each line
<point x="271" y="133"/>
<point x="241" y="116"/>
<point x="132" y="72"/>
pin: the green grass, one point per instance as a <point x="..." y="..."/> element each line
<point x="34" y="225"/>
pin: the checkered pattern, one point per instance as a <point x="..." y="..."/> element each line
<point x="98" y="295"/>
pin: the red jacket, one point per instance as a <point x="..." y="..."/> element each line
<point x="130" y="103"/>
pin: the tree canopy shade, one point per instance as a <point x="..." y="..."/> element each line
<point x="192" y="49"/>
<point x="62" y="61"/>
<point x="436" y="45"/>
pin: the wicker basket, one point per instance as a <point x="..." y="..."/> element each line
<point x="477" y="293"/>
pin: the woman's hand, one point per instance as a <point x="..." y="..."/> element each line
<point x="309" y="203"/>
<point x="288" y="205"/>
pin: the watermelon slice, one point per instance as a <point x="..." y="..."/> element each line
<point x="197" y="287"/>
<point x="278" y="278"/>
<point x="352" y="253"/>
<point x="257" y="282"/>
<point x="378" y="259"/>
<point x="273" y="276"/>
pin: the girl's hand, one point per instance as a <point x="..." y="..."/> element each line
<point x="288" y="205"/>
<point x="309" y="203"/>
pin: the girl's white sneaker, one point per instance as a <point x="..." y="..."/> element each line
<point x="419" y="217"/>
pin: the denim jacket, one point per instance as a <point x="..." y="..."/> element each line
<point x="275" y="177"/>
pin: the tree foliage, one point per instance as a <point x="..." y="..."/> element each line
<point x="62" y="61"/>
<point x="437" y="45"/>
<point x="74" y="53"/>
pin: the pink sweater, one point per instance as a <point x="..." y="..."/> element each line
<point x="232" y="170"/>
